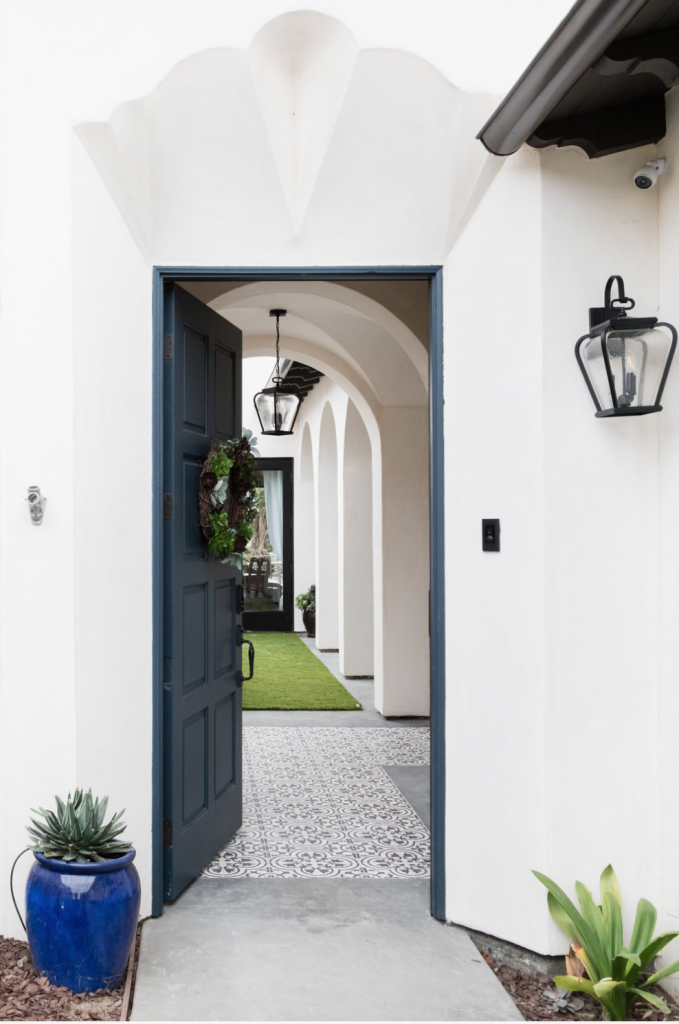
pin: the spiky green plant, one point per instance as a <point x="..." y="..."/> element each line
<point x="76" y="832"/>
<point x="616" y="972"/>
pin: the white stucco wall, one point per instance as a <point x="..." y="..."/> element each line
<point x="561" y="649"/>
<point x="564" y="625"/>
<point x="665" y="536"/>
<point x="494" y="602"/>
<point x="602" y="513"/>
<point x="112" y="492"/>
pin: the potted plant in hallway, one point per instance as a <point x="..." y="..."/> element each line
<point x="82" y="895"/>
<point x="307" y="605"/>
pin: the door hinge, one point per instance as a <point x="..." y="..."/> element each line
<point x="167" y="832"/>
<point x="167" y="506"/>
<point x="167" y="346"/>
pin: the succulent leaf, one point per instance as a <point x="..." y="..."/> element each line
<point x="76" y="832"/>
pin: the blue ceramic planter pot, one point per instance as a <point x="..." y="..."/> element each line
<point x="81" y="920"/>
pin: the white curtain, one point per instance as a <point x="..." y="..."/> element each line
<point x="273" y="498"/>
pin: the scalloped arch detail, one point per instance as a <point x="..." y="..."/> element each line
<point x="302" y="148"/>
<point x="301" y="63"/>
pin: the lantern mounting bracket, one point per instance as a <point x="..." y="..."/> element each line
<point x="612" y="308"/>
<point x="278" y="313"/>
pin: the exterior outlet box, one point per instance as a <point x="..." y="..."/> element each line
<point x="490" y="534"/>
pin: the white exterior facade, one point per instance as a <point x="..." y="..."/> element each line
<point x="237" y="135"/>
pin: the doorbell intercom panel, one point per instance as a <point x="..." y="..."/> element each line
<point x="490" y="534"/>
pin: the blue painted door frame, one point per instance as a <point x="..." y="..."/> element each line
<point x="434" y="275"/>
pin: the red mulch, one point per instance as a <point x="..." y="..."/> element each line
<point x="537" y="997"/>
<point x="26" y="995"/>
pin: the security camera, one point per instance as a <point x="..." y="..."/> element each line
<point x="649" y="173"/>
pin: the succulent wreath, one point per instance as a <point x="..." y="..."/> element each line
<point x="226" y="497"/>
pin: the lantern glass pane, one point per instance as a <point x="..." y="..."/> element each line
<point x="286" y="410"/>
<point x="637" y="359"/>
<point x="264" y="404"/>
<point x="276" y="410"/>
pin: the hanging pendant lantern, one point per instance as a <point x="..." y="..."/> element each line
<point x="625" y="360"/>
<point x="277" y="407"/>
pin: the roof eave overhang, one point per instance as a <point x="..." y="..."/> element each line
<point x="578" y="43"/>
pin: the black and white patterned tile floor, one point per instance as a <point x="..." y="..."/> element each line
<point x="317" y="803"/>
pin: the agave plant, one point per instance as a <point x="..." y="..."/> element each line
<point x="615" y="971"/>
<point x="77" y="831"/>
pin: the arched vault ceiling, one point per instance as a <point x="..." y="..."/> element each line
<point x="374" y="343"/>
<point x="407" y="300"/>
<point x="303" y="148"/>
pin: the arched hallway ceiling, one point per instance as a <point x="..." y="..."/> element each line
<point x="303" y="149"/>
<point x="332" y="366"/>
<point x="407" y="300"/>
<point x="330" y="320"/>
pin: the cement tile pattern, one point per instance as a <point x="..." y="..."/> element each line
<point x="317" y="803"/>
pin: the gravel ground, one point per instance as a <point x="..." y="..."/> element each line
<point x="537" y="997"/>
<point x="26" y="995"/>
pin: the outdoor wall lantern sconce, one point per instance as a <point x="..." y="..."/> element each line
<point x="625" y="360"/>
<point x="277" y="407"/>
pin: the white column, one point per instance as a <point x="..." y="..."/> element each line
<point x="327" y="584"/>
<point x="305" y="522"/>
<point x="404" y="689"/>
<point x="356" y="562"/>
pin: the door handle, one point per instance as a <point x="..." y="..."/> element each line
<point x="240" y="678"/>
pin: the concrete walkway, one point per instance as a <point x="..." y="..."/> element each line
<point x="316" y="948"/>
<point x="312" y="949"/>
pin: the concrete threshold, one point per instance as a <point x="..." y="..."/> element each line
<point x="311" y="949"/>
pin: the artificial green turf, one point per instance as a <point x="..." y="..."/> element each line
<point x="288" y="677"/>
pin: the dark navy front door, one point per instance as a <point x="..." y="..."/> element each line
<point x="202" y="696"/>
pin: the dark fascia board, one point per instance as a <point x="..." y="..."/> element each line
<point x="579" y="41"/>
<point x="607" y="131"/>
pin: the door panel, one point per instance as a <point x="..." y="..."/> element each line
<point x="225" y="744"/>
<point x="202" y="696"/>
